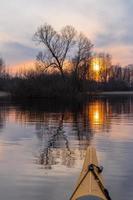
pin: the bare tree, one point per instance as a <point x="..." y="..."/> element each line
<point x="56" y="46"/>
<point x="116" y="72"/>
<point x="126" y="75"/>
<point x="82" y="56"/>
<point x="2" y="65"/>
<point x="105" y="65"/>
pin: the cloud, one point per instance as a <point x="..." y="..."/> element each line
<point x="118" y="28"/>
<point x="104" y="22"/>
<point x="17" y="52"/>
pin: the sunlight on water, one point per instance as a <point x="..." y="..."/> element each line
<point x="43" y="145"/>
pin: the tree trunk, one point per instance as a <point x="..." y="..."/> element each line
<point x="62" y="74"/>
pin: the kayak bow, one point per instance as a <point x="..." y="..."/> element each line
<point x="90" y="183"/>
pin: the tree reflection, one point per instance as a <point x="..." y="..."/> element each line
<point x="4" y="112"/>
<point x="64" y="132"/>
<point x="46" y="157"/>
<point x="58" y="148"/>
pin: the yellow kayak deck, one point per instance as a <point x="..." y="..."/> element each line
<point x="89" y="186"/>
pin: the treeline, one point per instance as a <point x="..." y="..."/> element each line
<point x="41" y="84"/>
<point x="66" y="67"/>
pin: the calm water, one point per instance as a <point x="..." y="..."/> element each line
<point x="43" y="144"/>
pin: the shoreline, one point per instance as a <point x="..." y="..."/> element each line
<point x="114" y="93"/>
<point x="89" y="94"/>
<point x="4" y="94"/>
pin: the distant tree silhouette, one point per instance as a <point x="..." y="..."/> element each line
<point x="2" y="65"/>
<point x="106" y="66"/>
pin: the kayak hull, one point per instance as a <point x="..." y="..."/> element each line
<point x="89" y="189"/>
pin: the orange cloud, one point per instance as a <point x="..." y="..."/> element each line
<point x="21" y="67"/>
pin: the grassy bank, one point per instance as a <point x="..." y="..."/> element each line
<point x="46" y="86"/>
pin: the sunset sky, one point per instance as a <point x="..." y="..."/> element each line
<point x="107" y="23"/>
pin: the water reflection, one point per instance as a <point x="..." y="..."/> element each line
<point x="98" y="114"/>
<point x="69" y="128"/>
<point x="51" y="137"/>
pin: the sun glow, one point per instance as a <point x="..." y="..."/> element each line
<point x="96" y="67"/>
<point x="96" y="116"/>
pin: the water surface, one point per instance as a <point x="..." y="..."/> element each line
<point x="43" y="145"/>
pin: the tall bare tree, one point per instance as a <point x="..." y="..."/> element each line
<point x="82" y="56"/>
<point x="56" y="46"/>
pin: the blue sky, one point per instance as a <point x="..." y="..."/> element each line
<point x="107" y="23"/>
